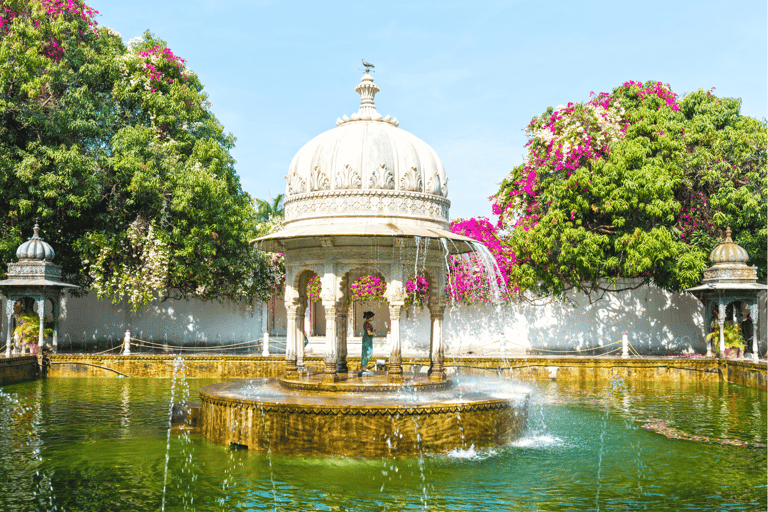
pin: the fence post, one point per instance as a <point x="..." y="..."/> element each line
<point x="265" y="345"/>
<point x="127" y="343"/>
<point x="624" y="346"/>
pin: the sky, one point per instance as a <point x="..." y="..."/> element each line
<point x="464" y="76"/>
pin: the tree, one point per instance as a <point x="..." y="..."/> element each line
<point x="266" y="210"/>
<point x="114" y="148"/>
<point x="634" y="184"/>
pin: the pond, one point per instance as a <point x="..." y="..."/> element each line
<point x="104" y="444"/>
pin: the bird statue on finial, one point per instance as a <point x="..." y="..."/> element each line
<point x="368" y="66"/>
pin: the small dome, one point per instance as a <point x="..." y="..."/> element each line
<point x="728" y="251"/>
<point x="35" y="248"/>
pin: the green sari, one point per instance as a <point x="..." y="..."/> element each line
<point x="367" y="345"/>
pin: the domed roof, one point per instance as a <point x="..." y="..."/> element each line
<point x="365" y="178"/>
<point x="35" y="248"/>
<point x="728" y="251"/>
<point x="366" y="152"/>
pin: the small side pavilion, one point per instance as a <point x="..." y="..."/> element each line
<point x="37" y="277"/>
<point x="727" y="281"/>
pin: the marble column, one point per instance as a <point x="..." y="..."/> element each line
<point x="331" y="342"/>
<point x="341" y="339"/>
<point x="753" y="313"/>
<point x="301" y="325"/>
<point x="721" y="321"/>
<point x="708" y="325"/>
<point x="55" y="312"/>
<point x="41" y="317"/>
<point x="437" y="352"/>
<point x="290" y="341"/>
<point x="8" y="325"/>
<point x="396" y="356"/>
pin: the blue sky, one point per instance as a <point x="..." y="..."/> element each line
<point x="464" y="76"/>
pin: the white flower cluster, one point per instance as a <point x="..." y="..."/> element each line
<point x="591" y="126"/>
<point x="141" y="278"/>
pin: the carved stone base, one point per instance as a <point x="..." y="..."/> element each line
<point x="300" y="424"/>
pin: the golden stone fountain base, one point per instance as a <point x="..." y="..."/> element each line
<point x="261" y="415"/>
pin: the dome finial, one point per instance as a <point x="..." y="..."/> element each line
<point x="367" y="90"/>
<point x="36" y="229"/>
<point x="728" y="234"/>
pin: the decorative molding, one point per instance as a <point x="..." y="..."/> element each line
<point x="318" y="180"/>
<point x="365" y="203"/>
<point x="382" y="178"/>
<point x="348" y="178"/>
<point x="411" y="181"/>
<point x="434" y="186"/>
<point x="296" y="184"/>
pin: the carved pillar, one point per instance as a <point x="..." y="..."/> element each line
<point x="55" y="312"/>
<point x="341" y="338"/>
<point x="301" y="325"/>
<point x="753" y="313"/>
<point x="708" y="324"/>
<point x="8" y="318"/>
<point x="331" y="342"/>
<point x="41" y="316"/>
<point x="436" y="351"/>
<point x="395" y="357"/>
<point x="290" y="340"/>
<point x="721" y="321"/>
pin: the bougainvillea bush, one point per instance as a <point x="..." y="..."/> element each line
<point x="469" y="278"/>
<point x="314" y="289"/>
<point x="636" y="183"/>
<point x="368" y="288"/>
<point x="113" y="146"/>
<point x="417" y="292"/>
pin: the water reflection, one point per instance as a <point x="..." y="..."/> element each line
<point x="101" y="444"/>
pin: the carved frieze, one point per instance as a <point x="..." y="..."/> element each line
<point x="34" y="269"/>
<point x="367" y="202"/>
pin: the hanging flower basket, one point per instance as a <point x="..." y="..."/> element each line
<point x="417" y="292"/>
<point x="314" y="288"/>
<point x="368" y="288"/>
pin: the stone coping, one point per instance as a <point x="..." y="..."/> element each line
<point x="523" y="368"/>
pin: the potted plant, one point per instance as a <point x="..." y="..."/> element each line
<point x="734" y="342"/>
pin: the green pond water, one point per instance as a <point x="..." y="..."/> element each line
<point x="104" y="444"/>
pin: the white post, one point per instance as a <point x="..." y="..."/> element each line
<point x="9" y="317"/>
<point x="265" y="345"/>
<point x="127" y="343"/>
<point x="753" y="314"/>
<point x="721" y="321"/>
<point x="624" y="346"/>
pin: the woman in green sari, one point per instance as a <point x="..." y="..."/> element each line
<point x="367" y="340"/>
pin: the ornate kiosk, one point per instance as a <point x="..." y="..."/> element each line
<point x="727" y="281"/>
<point x="37" y="277"/>
<point x="364" y="196"/>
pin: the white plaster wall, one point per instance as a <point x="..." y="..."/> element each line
<point x="656" y="322"/>
<point x="191" y="322"/>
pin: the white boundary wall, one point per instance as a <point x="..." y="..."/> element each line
<point x="656" y="322"/>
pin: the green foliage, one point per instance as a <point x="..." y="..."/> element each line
<point x="731" y="336"/>
<point x="114" y="148"/>
<point x="28" y="327"/>
<point x="592" y="204"/>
